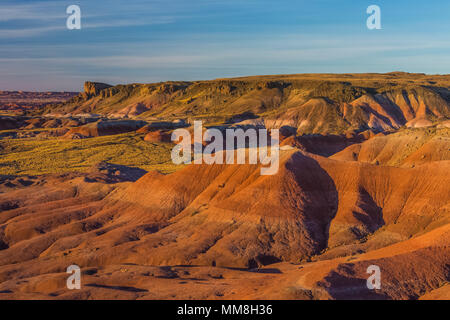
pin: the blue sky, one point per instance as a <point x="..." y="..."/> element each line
<point x="157" y="40"/>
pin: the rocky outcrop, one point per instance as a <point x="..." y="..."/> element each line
<point x="92" y="89"/>
<point x="103" y="128"/>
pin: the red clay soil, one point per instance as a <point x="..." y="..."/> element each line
<point x="308" y="232"/>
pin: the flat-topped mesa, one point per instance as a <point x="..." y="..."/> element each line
<point x="312" y="104"/>
<point x="93" y="88"/>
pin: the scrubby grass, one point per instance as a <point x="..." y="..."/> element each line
<point x="33" y="157"/>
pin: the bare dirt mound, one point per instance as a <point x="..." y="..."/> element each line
<point x="406" y="148"/>
<point x="230" y="216"/>
<point x="415" y="108"/>
<point x="325" y="145"/>
<point x="409" y="269"/>
<point x="104" y="128"/>
<point x="158" y="136"/>
<point x="7" y="123"/>
<point x="131" y="111"/>
<point x="419" y="123"/>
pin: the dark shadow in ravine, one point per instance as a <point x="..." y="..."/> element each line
<point x="122" y="288"/>
<point x="345" y="284"/>
<point x="319" y="196"/>
<point x="373" y="214"/>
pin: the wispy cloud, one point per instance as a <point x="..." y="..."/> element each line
<point x="116" y="23"/>
<point x="270" y="51"/>
<point x="42" y="11"/>
<point x="153" y="40"/>
<point x="130" y="61"/>
<point x="40" y="18"/>
<point x="28" y="32"/>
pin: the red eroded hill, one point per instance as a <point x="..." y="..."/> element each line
<point x="103" y="128"/>
<point x="406" y="148"/>
<point x="217" y="216"/>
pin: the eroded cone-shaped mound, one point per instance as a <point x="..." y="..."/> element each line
<point x="234" y="216"/>
<point x="158" y="136"/>
<point x="230" y="215"/>
<point x="405" y="149"/>
<point x="103" y="128"/>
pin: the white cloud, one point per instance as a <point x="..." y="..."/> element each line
<point x="28" y="32"/>
<point x="36" y="11"/>
<point x="131" y="61"/>
<point x="39" y="18"/>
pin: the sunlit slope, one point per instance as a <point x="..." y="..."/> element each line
<point x="318" y="103"/>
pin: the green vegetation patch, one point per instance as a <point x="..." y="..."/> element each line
<point x="34" y="157"/>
